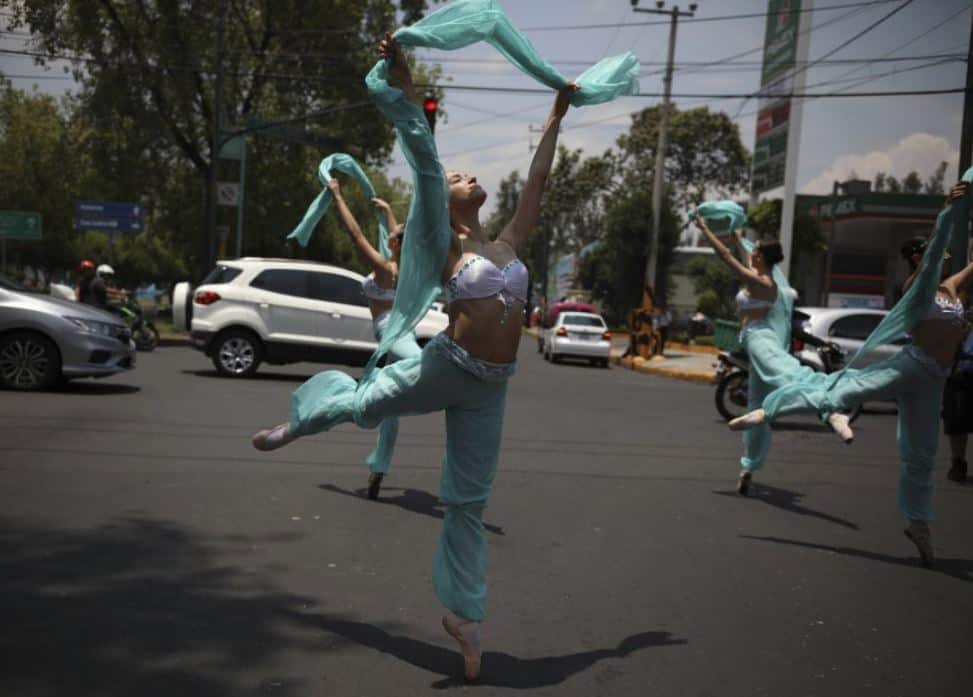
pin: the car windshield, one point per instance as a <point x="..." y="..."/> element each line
<point x="583" y="321"/>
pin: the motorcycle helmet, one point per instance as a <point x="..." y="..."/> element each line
<point x="86" y="265"/>
<point x="105" y="270"/>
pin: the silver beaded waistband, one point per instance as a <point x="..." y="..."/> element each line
<point x="492" y="372"/>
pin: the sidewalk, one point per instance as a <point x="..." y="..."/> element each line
<point x="682" y="362"/>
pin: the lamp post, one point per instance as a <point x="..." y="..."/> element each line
<point x="658" y="184"/>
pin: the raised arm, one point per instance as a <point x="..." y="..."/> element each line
<point x="390" y="220"/>
<point x="400" y="75"/>
<point x="365" y="248"/>
<point x="965" y="275"/>
<point x="723" y="252"/>
<point x="518" y="230"/>
<point x="744" y="251"/>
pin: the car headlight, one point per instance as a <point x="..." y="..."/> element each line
<point x="95" y="327"/>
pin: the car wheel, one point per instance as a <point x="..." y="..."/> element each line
<point x="28" y="362"/>
<point x="237" y="353"/>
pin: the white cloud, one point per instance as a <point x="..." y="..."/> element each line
<point x="919" y="152"/>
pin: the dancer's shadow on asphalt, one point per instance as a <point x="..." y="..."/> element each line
<point x="498" y="669"/>
<point x="957" y="568"/>
<point x="412" y="500"/>
<point x="787" y="500"/>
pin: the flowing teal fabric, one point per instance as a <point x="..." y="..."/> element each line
<point x="722" y="217"/>
<point x="467" y="22"/>
<point x="342" y="163"/>
<point x="907" y="313"/>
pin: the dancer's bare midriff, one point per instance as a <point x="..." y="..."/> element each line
<point x="486" y="328"/>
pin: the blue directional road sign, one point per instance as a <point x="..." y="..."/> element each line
<point x="109" y="216"/>
<point x="95" y="222"/>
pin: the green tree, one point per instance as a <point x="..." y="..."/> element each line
<point x="715" y="285"/>
<point x="765" y="219"/>
<point x="705" y="158"/>
<point x="148" y="75"/>
<point x="912" y="183"/>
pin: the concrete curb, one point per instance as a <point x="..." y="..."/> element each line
<point x="640" y="365"/>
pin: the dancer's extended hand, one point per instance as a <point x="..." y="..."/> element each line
<point x="958" y="191"/>
<point x="334" y="187"/>
<point x="563" y="100"/>
<point x="381" y="203"/>
<point x="390" y="50"/>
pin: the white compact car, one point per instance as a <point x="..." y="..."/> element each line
<point x="847" y="327"/>
<point x="251" y="310"/>
<point x="578" y="335"/>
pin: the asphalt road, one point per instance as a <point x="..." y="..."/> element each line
<point x="147" y="549"/>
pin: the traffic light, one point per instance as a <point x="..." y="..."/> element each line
<point x="430" y="105"/>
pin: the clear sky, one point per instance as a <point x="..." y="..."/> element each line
<point x="487" y="132"/>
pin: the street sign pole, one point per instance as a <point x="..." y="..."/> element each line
<point x="239" y="209"/>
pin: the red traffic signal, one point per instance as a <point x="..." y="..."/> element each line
<point x="430" y="106"/>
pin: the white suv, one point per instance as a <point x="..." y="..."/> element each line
<point x="251" y="310"/>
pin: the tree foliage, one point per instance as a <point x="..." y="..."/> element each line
<point x="765" y="219"/>
<point x="912" y="183"/>
<point x="715" y="285"/>
<point x="139" y="127"/>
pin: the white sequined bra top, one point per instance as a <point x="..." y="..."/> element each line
<point x="479" y="278"/>
<point x="947" y="310"/>
<point x="373" y="291"/>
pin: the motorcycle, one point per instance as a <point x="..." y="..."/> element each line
<point x="733" y="373"/>
<point x="144" y="333"/>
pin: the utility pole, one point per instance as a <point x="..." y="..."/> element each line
<point x="658" y="184"/>
<point x="960" y="242"/>
<point x="214" y="149"/>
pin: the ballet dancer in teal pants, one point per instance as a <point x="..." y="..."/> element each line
<point x="464" y="370"/>
<point x="379" y="290"/>
<point x="764" y="306"/>
<point x="914" y="377"/>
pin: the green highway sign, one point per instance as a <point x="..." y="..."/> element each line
<point x="20" y="225"/>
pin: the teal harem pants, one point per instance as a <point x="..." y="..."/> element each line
<point x="474" y="406"/>
<point x="771" y="366"/>
<point x="915" y="381"/>
<point x="406" y="347"/>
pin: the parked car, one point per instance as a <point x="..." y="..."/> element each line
<point x="578" y="335"/>
<point x="847" y="327"/>
<point x="252" y="310"/>
<point x="45" y="340"/>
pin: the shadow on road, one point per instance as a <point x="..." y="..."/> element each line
<point x="93" y="388"/>
<point x="957" y="568"/>
<point x="412" y="500"/>
<point x="787" y="500"/>
<point x="138" y="607"/>
<point x="499" y="669"/>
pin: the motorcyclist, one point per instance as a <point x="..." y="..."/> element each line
<point x="116" y="297"/>
<point x="91" y="289"/>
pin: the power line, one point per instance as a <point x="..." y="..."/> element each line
<point x="718" y="18"/>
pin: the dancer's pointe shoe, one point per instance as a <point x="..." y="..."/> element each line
<point x="467" y="635"/>
<point x="749" y="420"/>
<point x="839" y="424"/>
<point x="273" y="438"/>
<point x="374" y="484"/>
<point x="743" y="483"/>
<point x="918" y="532"/>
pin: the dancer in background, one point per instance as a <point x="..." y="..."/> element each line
<point x="379" y="289"/>
<point x="932" y="311"/>
<point x="766" y="339"/>
<point x="464" y="370"/>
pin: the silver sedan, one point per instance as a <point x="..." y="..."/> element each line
<point x="44" y="340"/>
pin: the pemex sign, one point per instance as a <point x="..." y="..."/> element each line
<point x="777" y="77"/>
